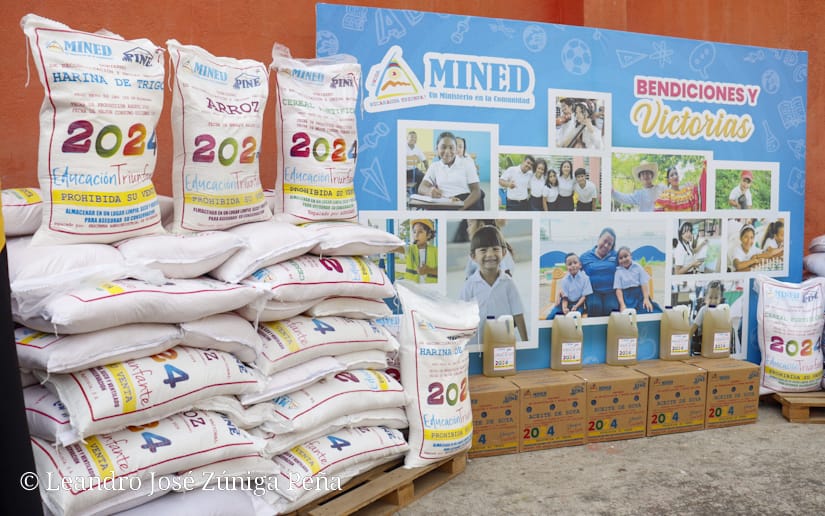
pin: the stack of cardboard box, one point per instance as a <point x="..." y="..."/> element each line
<point x="541" y="409"/>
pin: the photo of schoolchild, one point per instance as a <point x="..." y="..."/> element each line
<point x="573" y="290"/>
<point x="743" y="189"/>
<point x="490" y="264"/>
<point x="421" y="255"/>
<point x="532" y="182"/>
<point x="632" y="284"/>
<point x="444" y="168"/>
<point x="587" y="196"/>
<point x="579" y="123"/>
<point x="516" y="180"/>
<point x="699" y="295"/>
<point x="697" y="246"/>
<point x="756" y="245"/>
<point x="416" y="162"/>
<point x="508" y="263"/>
<point x="658" y="182"/>
<point x="541" y="193"/>
<point x="624" y="265"/>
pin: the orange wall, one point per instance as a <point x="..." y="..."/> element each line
<point x="787" y="24"/>
<point x="243" y="29"/>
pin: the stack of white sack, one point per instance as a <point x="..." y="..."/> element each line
<point x="333" y="277"/>
<point x="323" y="359"/>
<point x="134" y="425"/>
<point x="127" y="356"/>
<point x="103" y="262"/>
<point x="88" y="295"/>
<point x="137" y="334"/>
<point x="117" y="470"/>
<point x="321" y="435"/>
<point x="305" y="473"/>
<point x="88" y="347"/>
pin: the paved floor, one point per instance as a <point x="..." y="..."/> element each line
<point x="768" y="468"/>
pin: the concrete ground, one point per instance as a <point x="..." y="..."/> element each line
<point x="768" y="468"/>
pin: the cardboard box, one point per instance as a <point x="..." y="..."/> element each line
<point x="616" y="402"/>
<point x="732" y="391"/>
<point x="676" y="396"/>
<point x="495" y="405"/>
<point x="552" y="409"/>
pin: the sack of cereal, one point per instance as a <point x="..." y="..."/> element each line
<point x="791" y="319"/>
<point x="317" y="136"/>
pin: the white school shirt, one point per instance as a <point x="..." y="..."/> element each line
<point x="418" y="153"/>
<point x="500" y="298"/>
<point x="522" y="183"/>
<point x="452" y="180"/>
<point x="644" y="198"/>
<point x="770" y="243"/>
<point x="682" y="255"/>
<point x="588" y="193"/>
<point x="742" y="256"/>
<point x="551" y="193"/>
<point x="536" y="186"/>
<point x="566" y="186"/>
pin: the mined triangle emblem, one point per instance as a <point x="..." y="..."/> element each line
<point x="391" y="84"/>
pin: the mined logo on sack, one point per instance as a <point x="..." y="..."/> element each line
<point x="782" y="293"/>
<point x="81" y="48"/>
<point x="305" y="75"/>
<point x="205" y="71"/>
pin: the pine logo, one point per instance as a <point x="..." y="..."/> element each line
<point x="392" y="85"/>
<point x="246" y="80"/>
<point x="138" y="55"/>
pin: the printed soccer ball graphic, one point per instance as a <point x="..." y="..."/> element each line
<point x="535" y="39"/>
<point x="576" y="57"/>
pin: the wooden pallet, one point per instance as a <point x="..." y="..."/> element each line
<point x="385" y="489"/>
<point x="802" y="407"/>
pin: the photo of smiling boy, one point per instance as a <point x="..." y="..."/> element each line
<point x="741" y="196"/>
<point x="574" y="287"/>
<point x="493" y="290"/>
<point x="586" y="192"/>
<point x="745" y="185"/>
